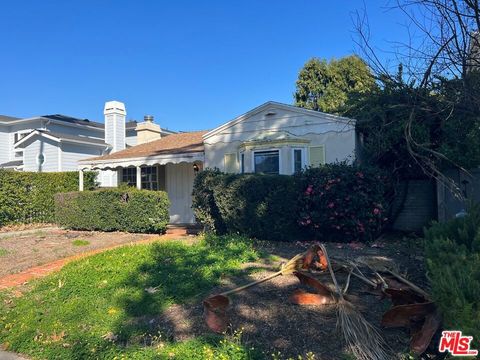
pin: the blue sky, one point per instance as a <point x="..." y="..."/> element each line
<point x="192" y="64"/>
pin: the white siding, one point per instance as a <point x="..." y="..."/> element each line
<point x="72" y="153"/>
<point x="4" y="144"/>
<point x="337" y="137"/>
<point x="48" y="148"/>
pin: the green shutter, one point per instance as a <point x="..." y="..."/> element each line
<point x="317" y="156"/>
<point x="230" y="163"/>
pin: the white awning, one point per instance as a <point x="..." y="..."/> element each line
<point x="112" y="164"/>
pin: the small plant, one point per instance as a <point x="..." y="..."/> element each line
<point x="80" y="242"/>
<point x="3" y="252"/>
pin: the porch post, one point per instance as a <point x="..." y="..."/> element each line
<point x="139" y="177"/>
<point x="80" y="180"/>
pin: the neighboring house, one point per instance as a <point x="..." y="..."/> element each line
<point x="273" y="138"/>
<point x="57" y="142"/>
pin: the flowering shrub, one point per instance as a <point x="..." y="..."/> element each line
<point x="340" y="202"/>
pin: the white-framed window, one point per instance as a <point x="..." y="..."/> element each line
<point x="230" y="163"/>
<point x="266" y="161"/>
<point x="129" y="176"/>
<point x="299" y="160"/>
<point x="317" y="155"/>
<point x="149" y="178"/>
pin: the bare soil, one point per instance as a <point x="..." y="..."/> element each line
<point x="268" y="321"/>
<point x="21" y="249"/>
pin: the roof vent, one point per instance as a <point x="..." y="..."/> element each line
<point x="148" y="118"/>
<point x="270" y="113"/>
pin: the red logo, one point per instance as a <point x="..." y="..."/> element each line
<point x="456" y="344"/>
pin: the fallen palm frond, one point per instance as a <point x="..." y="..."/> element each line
<point x="362" y="338"/>
<point x="215" y="306"/>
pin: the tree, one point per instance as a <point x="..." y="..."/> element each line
<point x="441" y="65"/>
<point x="327" y="86"/>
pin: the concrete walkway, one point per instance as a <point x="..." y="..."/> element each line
<point x="21" y="278"/>
<point x="6" y="355"/>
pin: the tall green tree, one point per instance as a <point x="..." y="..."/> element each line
<point x="327" y="85"/>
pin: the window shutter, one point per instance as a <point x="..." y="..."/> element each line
<point x="230" y="163"/>
<point x="317" y="156"/>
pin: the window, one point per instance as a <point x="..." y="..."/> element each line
<point x="298" y="160"/>
<point x="149" y="178"/>
<point x="317" y="156"/>
<point x="230" y="163"/>
<point x="40" y="159"/>
<point x="129" y="176"/>
<point x="267" y="162"/>
<point x="242" y="163"/>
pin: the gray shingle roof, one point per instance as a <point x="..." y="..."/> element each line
<point x="7" y="118"/>
<point x="75" y="138"/>
<point x="10" y="164"/>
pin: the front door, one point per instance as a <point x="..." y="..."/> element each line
<point x="179" y="186"/>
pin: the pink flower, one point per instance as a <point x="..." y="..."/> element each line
<point x="376" y="211"/>
<point x="309" y="190"/>
<point x="331" y="205"/>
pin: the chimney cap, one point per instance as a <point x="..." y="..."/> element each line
<point x="148" y="118"/>
<point x="114" y="107"/>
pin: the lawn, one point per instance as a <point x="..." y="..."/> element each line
<point x="108" y="305"/>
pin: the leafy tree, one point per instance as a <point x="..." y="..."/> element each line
<point x="326" y="86"/>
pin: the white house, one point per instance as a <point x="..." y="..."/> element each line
<point x="273" y="138"/>
<point x="57" y="142"/>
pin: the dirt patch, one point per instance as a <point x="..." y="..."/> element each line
<point x="21" y="250"/>
<point x="270" y="322"/>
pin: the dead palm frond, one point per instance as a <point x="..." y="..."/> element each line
<point x="289" y="268"/>
<point x="363" y="339"/>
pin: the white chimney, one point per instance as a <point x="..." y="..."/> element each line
<point x="115" y="115"/>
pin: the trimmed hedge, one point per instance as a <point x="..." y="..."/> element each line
<point x="453" y="264"/>
<point x="258" y="206"/>
<point x="121" y="209"/>
<point x="27" y="197"/>
<point x="340" y="202"/>
<point x="336" y="202"/>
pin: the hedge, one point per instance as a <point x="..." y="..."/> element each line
<point x="252" y="205"/>
<point x="453" y="265"/>
<point x="336" y="202"/>
<point x="27" y="197"/>
<point x="120" y="209"/>
<point x="340" y="202"/>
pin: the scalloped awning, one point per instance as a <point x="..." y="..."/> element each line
<point x="176" y="148"/>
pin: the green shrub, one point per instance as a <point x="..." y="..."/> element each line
<point x="121" y="209"/>
<point x="260" y="206"/>
<point x="453" y="264"/>
<point x="342" y="202"/>
<point x="27" y="197"/>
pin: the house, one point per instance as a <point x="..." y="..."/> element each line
<point x="57" y="142"/>
<point x="272" y="138"/>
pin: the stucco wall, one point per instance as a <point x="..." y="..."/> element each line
<point x="338" y="138"/>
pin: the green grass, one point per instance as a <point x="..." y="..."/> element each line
<point x="80" y="242"/>
<point x="67" y="314"/>
<point x="3" y="252"/>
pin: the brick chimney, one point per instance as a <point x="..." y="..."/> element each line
<point x="147" y="130"/>
<point x="115" y="115"/>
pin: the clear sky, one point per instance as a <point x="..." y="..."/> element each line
<point x="191" y="64"/>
